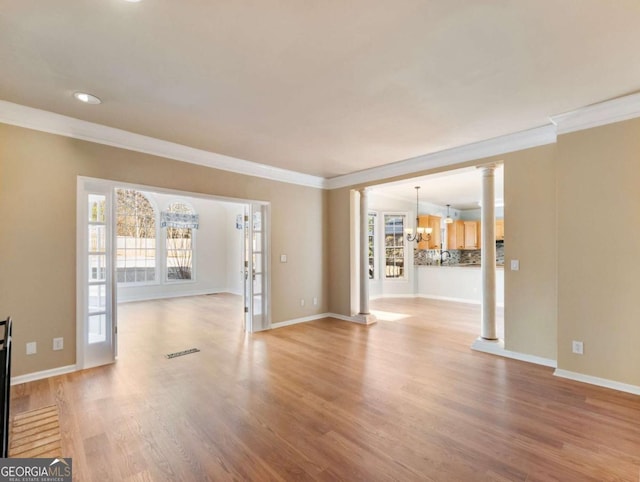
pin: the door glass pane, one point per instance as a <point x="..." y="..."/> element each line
<point x="257" y="305"/>
<point x="97" y="238"/>
<point x="257" y="262"/>
<point x="97" y="298"/>
<point x="257" y="241"/>
<point x="97" y="267"/>
<point x="257" y="284"/>
<point x="97" y="328"/>
<point x="97" y="204"/>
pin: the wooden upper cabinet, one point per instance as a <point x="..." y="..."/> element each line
<point x="467" y="234"/>
<point x="433" y="222"/>
<point x="471" y="234"/>
<point x="455" y="235"/>
<point x="499" y="229"/>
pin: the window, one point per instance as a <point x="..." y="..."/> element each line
<point x="371" y="233"/>
<point x="394" y="245"/>
<point x="136" y="238"/>
<point x="180" y="221"/>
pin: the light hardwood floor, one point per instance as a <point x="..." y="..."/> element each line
<point x="330" y="400"/>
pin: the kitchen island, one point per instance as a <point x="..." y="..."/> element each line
<point x="458" y="282"/>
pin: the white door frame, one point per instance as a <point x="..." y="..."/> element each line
<point x="82" y="360"/>
<point x="101" y="352"/>
<point x="256" y="256"/>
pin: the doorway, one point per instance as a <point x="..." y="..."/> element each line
<point x="164" y="244"/>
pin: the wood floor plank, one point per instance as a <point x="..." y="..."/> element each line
<point x="404" y="399"/>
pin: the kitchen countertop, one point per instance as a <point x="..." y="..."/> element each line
<point x="459" y="265"/>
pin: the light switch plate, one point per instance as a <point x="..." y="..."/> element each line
<point x="577" y="347"/>
<point x="515" y="265"/>
<point x="32" y="348"/>
<point x="283" y="258"/>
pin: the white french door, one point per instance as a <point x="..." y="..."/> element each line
<point x="256" y="261"/>
<point x="96" y="313"/>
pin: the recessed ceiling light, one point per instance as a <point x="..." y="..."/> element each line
<point x="87" y="98"/>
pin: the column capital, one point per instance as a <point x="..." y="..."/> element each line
<point x="364" y="190"/>
<point x="489" y="168"/>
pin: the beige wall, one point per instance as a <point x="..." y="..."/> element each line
<point x="598" y="240"/>
<point x="530" y="236"/>
<point x="339" y="252"/>
<point x="38" y="174"/>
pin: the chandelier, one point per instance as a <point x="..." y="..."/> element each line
<point x="422" y="234"/>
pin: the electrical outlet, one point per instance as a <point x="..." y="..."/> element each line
<point x="577" y="347"/>
<point x="283" y="258"/>
<point x="515" y="265"/>
<point x="32" y="348"/>
<point x="58" y="343"/>
<point x="315" y="300"/>
<point x="302" y="302"/>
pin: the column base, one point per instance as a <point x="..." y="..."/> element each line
<point x="495" y="347"/>
<point x="367" y="319"/>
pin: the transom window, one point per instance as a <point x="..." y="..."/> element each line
<point x="136" y="237"/>
<point x="394" y="245"/>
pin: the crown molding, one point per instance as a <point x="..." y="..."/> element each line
<point x="41" y="120"/>
<point x="595" y="115"/>
<point x="607" y="112"/>
<point x="491" y="147"/>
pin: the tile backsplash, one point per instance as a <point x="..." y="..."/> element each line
<point x="458" y="256"/>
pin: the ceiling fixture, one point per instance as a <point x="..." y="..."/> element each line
<point x="422" y="234"/>
<point x="448" y="219"/>
<point x="87" y="98"/>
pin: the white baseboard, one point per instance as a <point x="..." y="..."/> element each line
<point x="295" y="321"/>
<point x="175" y="294"/>
<point x="350" y="319"/>
<point x="320" y="316"/>
<point x="30" y="377"/>
<point x="431" y="297"/>
<point x="456" y="300"/>
<point x="601" y="382"/>
<point x="496" y="347"/>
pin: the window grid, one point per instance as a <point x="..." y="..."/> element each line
<point x="371" y="233"/>
<point x="394" y="246"/>
<point x="179" y="244"/>
<point x="136" y="238"/>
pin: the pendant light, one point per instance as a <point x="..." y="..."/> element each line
<point x="422" y="234"/>
<point x="448" y="219"/>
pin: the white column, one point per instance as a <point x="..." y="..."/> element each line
<point x="364" y="252"/>
<point x="488" y="259"/>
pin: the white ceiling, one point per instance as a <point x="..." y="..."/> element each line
<point x="461" y="188"/>
<point x="323" y="88"/>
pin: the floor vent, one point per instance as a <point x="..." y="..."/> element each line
<point x="180" y="353"/>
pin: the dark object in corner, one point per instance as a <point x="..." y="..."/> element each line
<point x="5" y="379"/>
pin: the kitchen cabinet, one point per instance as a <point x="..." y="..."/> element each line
<point x="471" y="234"/>
<point x="463" y="235"/>
<point x="467" y="234"/>
<point x="455" y="235"/>
<point x="433" y="222"/>
<point x="499" y="229"/>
